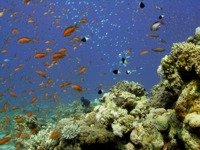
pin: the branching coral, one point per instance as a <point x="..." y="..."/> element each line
<point x="70" y="131"/>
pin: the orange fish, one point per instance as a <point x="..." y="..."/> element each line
<point x="15" y="31"/>
<point x="29" y="114"/>
<point x="84" y="20"/>
<point x="41" y="73"/>
<point x="5" y="106"/>
<point x="4" y="140"/>
<point x="50" y="81"/>
<point x="65" y="84"/>
<point x="24" y="40"/>
<point x="76" y="39"/>
<point x="62" y="50"/>
<point x="82" y="70"/>
<point x="58" y="55"/>
<point x="69" y="30"/>
<point x="13" y="94"/>
<point x="19" y="67"/>
<point x="26" y="2"/>
<point x="158" y="49"/>
<point x="39" y="55"/>
<point x="33" y="100"/>
<point x="77" y="87"/>
<point x="144" y="52"/>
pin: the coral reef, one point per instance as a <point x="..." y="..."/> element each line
<point x="127" y="119"/>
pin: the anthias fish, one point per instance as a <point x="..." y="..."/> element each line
<point x="41" y="73"/>
<point x="77" y="87"/>
<point x="24" y="40"/>
<point x="158" y="49"/>
<point x="82" y="70"/>
<point x="58" y="55"/>
<point x="39" y="55"/>
<point x="4" y="140"/>
<point x="69" y="30"/>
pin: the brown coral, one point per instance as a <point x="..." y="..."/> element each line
<point x="55" y="134"/>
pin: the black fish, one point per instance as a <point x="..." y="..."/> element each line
<point x="116" y="71"/>
<point x="100" y="91"/>
<point x="85" y="102"/>
<point x="84" y="39"/>
<point x="128" y="71"/>
<point x="161" y="17"/>
<point x="142" y="5"/>
<point x="123" y="60"/>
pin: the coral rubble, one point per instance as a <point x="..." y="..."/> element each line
<point x="127" y="119"/>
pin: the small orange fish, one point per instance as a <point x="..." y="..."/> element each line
<point x="41" y="73"/>
<point x="57" y="56"/>
<point x="39" y="55"/>
<point x="24" y="40"/>
<point x="82" y="70"/>
<point x="76" y="39"/>
<point x="15" y="31"/>
<point x="77" y="87"/>
<point x="69" y="30"/>
<point x="4" y="140"/>
<point x="158" y="49"/>
<point x="63" y="50"/>
<point x="33" y="100"/>
<point x="19" y="67"/>
<point x="144" y="52"/>
<point x="29" y="114"/>
<point x="66" y="83"/>
<point x="27" y="2"/>
<point x="5" y="106"/>
<point x="50" y="81"/>
<point x="84" y="20"/>
<point x="13" y="94"/>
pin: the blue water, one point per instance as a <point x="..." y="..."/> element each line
<point x="113" y="28"/>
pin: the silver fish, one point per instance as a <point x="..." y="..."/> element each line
<point x="156" y="25"/>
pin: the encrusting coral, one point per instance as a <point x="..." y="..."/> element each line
<point x="127" y="119"/>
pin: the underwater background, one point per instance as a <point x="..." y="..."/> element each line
<point x="55" y="52"/>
